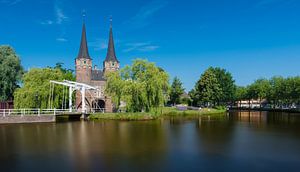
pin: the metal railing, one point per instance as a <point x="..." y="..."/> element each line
<point x="33" y="112"/>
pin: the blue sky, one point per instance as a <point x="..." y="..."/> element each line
<point x="250" y="38"/>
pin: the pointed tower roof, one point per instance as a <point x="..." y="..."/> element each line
<point x="111" y="54"/>
<point x="83" y="51"/>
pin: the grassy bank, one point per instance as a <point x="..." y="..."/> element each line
<point x="173" y="112"/>
<point x="165" y="112"/>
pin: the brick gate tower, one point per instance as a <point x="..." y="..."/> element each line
<point x="86" y="73"/>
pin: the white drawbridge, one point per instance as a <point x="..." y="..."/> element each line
<point x="76" y="86"/>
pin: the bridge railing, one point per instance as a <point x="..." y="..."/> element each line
<point x="33" y="112"/>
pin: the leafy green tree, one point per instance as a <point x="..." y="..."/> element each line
<point x="10" y="72"/>
<point x="208" y="88"/>
<point x="194" y="98"/>
<point x="292" y="87"/>
<point x="115" y="85"/>
<point x="215" y="87"/>
<point x="260" y="89"/>
<point x="277" y="94"/>
<point x="35" y="91"/>
<point x="176" y="91"/>
<point x="143" y="86"/>
<point x="278" y="91"/>
<point x="240" y="94"/>
<point x="227" y="85"/>
<point x="296" y="93"/>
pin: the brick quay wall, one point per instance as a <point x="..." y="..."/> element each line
<point x="15" y="119"/>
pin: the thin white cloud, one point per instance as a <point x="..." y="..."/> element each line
<point x="149" y="48"/>
<point x="98" y="44"/>
<point x="47" y="22"/>
<point x="61" y="40"/>
<point x="140" y="46"/>
<point x="60" y="15"/>
<point x="60" y="19"/>
<point x="134" y="46"/>
<point x="146" y="12"/>
<point x="102" y="44"/>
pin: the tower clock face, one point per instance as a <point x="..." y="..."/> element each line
<point x="113" y="63"/>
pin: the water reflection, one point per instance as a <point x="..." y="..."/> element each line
<point x="264" y="118"/>
<point x="238" y="141"/>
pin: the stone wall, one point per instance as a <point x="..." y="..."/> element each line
<point x="11" y="119"/>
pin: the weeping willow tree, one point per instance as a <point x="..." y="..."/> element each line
<point x="143" y="86"/>
<point x="35" y="91"/>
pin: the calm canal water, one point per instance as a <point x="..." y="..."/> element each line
<point x="241" y="141"/>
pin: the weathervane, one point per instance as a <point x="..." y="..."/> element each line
<point x="110" y="20"/>
<point x="83" y="15"/>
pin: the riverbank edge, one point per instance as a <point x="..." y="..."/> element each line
<point x="165" y="112"/>
<point x="265" y="109"/>
<point x="17" y="119"/>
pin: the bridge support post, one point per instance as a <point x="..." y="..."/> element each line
<point x="70" y="98"/>
<point x="83" y="100"/>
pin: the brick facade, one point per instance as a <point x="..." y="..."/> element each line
<point x="86" y="73"/>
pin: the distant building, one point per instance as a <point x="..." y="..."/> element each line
<point x="86" y="73"/>
<point x="251" y="103"/>
<point x="185" y="95"/>
<point x="7" y="105"/>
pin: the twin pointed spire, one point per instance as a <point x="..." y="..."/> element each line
<point x="84" y="52"/>
<point x="111" y="54"/>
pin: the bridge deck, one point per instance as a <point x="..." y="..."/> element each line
<point x="69" y="114"/>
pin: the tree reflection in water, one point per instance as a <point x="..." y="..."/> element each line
<point x="237" y="141"/>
